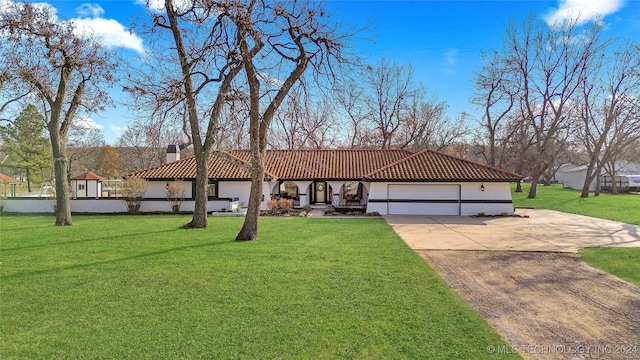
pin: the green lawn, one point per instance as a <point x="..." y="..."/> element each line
<point x="621" y="262"/>
<point x="621" y="207"/>
<point x="138" y="287"/>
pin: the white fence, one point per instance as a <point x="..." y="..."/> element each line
<point x="107" y="206"/>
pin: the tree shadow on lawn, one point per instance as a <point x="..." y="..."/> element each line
<point x="112" y="261"/>
<point x="84" y="240"/>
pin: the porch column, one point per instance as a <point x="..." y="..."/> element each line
<point x="267" y="185"/>
<point x="303" y="187"/>
<point x="335" y="189"/>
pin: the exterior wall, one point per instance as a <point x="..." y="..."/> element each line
<point x="242" y="190"/>
<point x="494" y="200"/>
<point x="575" y="180"/>
<point x="107" y="206"/>
<point x="92" y="188"/>
<point x="235" y="189"/>
<point x="156" y="189"/>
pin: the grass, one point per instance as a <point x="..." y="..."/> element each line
<point x="621" y="262"/>
<point x="621" y="207"/>
<point x="138" y="287"/>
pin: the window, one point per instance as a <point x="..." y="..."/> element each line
<point x="352" y="191"/>
<point x="80" y="186"/>
<point x="213" y="189"/>
<point x="289" y="190"/>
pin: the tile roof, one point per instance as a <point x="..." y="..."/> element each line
<point x="373" y="165"/>
<point x="88" y="176"/>
<point x="8" y="179"/>
<point x="428" y="165"/>
<point x="221" y="166"/>
<point x="334" y="164"/>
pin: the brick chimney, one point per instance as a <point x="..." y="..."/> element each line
<point x="173" y="153"/>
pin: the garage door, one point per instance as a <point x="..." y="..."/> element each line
<point x="422" y="199"/>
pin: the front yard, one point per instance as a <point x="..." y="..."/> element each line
<point x="621" y="207"/>
<point x="139" y="287"/>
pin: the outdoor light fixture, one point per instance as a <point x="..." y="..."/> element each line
<point x="482" y="187"/>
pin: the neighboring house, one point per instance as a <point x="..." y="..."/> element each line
<point x="8" y="183"/>
<point x="558" y="176"/>
<point x="87" y="185"/>
<point x="384" y="181"/>
<point x="574" y="177"/>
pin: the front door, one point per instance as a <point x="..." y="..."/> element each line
<point x="321" y="192"/>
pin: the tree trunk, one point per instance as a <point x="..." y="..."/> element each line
<point x="519" y="186"/>
<point x="597" y="193"/>
<point x="534" y="187"/>
<point x="591" y="170"/>
<point x="28" y="181"/>
<point x="200" y="219"/>
<point x="63" y="206"/>
<point x="249" y="229"/>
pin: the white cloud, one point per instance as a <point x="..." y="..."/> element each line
<point x="90" y="10"/>
<point x="451" y="57"/>
<point x="110" y="33"/>
<point x="117" y="130"/>
<point x="582" y="10"/>
<point x="87" y="123"/>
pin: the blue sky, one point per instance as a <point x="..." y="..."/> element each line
<point x="441" y="39"/>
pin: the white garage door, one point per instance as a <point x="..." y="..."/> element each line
<point x="423" y="199"/>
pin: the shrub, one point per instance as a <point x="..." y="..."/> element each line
<point x="133" y="191"/>
<point x="272" y="205"/>
<point x="281" y="206"/>
<point x="175" y="195"/>
<point x="285" y="205"/>
<point x="481" y="214"/>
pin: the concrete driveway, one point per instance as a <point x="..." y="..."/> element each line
<point x="542" y="230"/>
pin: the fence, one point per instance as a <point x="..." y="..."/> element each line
<point x="109" y="206"/>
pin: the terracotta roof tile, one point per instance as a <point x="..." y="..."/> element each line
<point x="428" y="165"/>
<point x="374" y="165"/>
<point x="221" y="166"/>
<point x="88" y="176"/>
<point x="8" y="179"/>
<point x="333" y="164"/>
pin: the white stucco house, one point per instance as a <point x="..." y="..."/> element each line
<point x="384" y="181"/>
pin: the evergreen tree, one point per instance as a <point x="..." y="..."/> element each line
<point x="28" y="150"/>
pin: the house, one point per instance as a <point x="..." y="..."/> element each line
<point x="574" y="177"/>
<point x="384" y="181"/>
<point x="6" y="180"/>
<point x="87" y="185"/>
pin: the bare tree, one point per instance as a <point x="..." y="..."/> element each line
<point x="546" y="65"/>
<point x="82" y="142"/>
<point x="392" y="90"/>
<point x="349" y="103"/>
<point x="609" y="110"/>
<point x="426" y="126"/>
<point x="148" y="138"/>
<point x="303" y="123"/>
<point x="495" y="93"/>
<point x="198" y="36"/>
<point x="66" y="72"/>
<point x="278" y="42"/>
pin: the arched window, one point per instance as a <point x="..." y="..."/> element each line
<point x="288" y="190"/>
<point x="352" y="191"/>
